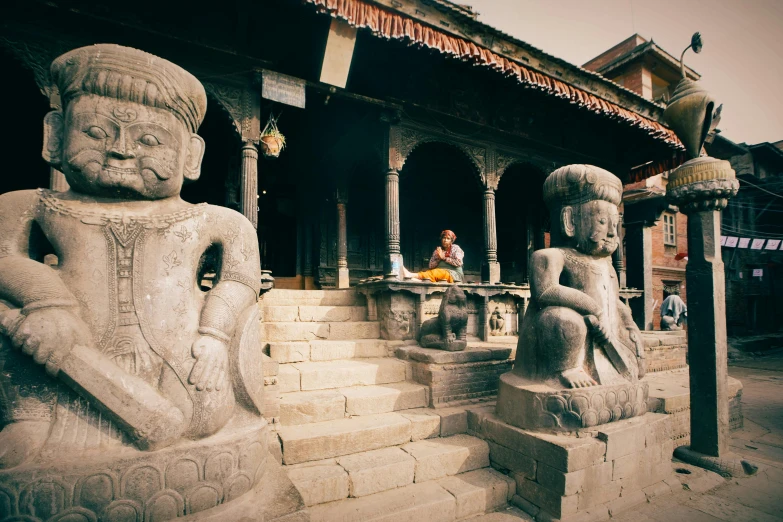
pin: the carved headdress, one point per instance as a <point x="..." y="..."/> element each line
<point x="129" y="74"/>
<point x="576" y="184"/>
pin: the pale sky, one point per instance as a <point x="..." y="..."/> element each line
<point x="741" y="63"/>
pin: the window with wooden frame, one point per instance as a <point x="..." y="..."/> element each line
<point x="669" y="229"/>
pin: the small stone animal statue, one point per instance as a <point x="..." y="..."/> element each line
<point x="448" y="331"/>
<point x="496" y="322"/>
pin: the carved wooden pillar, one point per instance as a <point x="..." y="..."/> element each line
<point x="618" y="258"/>
<point x="342" y="241"/>
<point x="307" y="269"/>
<point x="392" y="224"/>
<point x="248" y="183"/>
<point x="491" y="271"/>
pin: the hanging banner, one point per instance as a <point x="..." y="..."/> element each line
<point x="751" y="243"/>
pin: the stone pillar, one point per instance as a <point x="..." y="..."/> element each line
<point x="393" y="259"/>
<point x="248" y="183"/>
<point x="702" y="200"/>
<point x="490" y="272"/>
<point x="707" y="344"/>
<point x="57" y="181"/>
<point x="639" y="275"/>
<point x="618" y="258"/>
<point x="342" y="242"/>
<point x="639" y="218"/>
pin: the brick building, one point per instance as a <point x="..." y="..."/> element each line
<point x="656" y="239"/>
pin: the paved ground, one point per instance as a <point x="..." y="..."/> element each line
<point x="758" y="498"/>
<point x="705" y="497"/>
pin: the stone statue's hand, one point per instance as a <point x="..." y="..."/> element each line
<point x="47" y="334"/>
<point x="209" y="372"/>
<point x="598" y="328"/>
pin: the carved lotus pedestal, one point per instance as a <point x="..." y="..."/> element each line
<point x="539" y="406"/>
<point x="229" y="476"/>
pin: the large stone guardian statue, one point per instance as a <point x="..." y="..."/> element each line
<point x="126" y="391"/>
<point x="580" y="354"/>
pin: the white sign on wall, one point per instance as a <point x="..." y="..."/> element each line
<point x="731" y="241"/>
<point x="758" y="272"/>
<point x="757" y="244"/>
<point x="744" y="242"/>
<point x="772" y="244"/>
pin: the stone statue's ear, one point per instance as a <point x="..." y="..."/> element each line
<point x="567" y="221"/>
<point x="53" y="139"/>
<point x="195" y="155"/>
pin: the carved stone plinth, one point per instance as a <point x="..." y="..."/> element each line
<point x="530" y="405"/>
<point x="121" y="483"/>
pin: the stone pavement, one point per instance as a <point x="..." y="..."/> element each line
<point x="705" y="497"/>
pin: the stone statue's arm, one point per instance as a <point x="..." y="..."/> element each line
<point x="239" y="276"/>
<point x="24" y="281"/>
<point x="547" y="266"/>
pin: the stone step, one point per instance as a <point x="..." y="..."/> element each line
<point x="442" y="457"/>
<point x="305" y="407"/>
<point x="369" y="400"/>
<point x="453" y="498"/>
<point x="335" y="438"/>
<point x="300" y="351"/>
<point x="339" y="374"/>
<point x="313" y="314"/>
<point x="280" y="297"/>
<point x="335" y="331"/>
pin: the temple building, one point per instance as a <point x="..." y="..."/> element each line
<point x="401" y="119"/>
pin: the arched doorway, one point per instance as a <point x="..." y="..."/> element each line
<point x="439" y="190"/>
<point x="522" y="219"/>
<point x="22" y="113"/>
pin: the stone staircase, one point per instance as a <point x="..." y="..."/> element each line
<point x="355" y="432"/>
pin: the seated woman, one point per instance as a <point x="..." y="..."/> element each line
<point x="445" y="263"/>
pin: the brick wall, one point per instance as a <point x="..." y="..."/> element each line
<point x="665" y="266"/>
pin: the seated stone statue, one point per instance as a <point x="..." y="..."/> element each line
<point x="496" y="322"/>
<point x="116" y="352"/>
<point x="577" y="329"/>
<point x="445" y="263"/>
<point x="448" y="331"/>
<point x="577" y="333"/>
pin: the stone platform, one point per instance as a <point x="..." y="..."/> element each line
<point x="670" y="394"/>
<point x="539" y="406"/>
<point x="604" y="470"/>
<point x="454" y="378"/>
<point x="664" y="351"/>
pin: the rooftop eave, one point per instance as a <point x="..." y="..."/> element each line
<point x="435" y="14"/>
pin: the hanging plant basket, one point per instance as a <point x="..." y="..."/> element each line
<point x="272" y="140"/>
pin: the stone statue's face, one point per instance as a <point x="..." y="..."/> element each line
<point x="122" y="149"/>
<point x="596" y="228"/>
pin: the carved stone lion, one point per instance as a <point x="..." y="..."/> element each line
<point x="449" y="330"/>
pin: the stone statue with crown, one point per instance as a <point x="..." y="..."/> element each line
<point x="580" y="355"/>
<point x="127" y="391"/>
